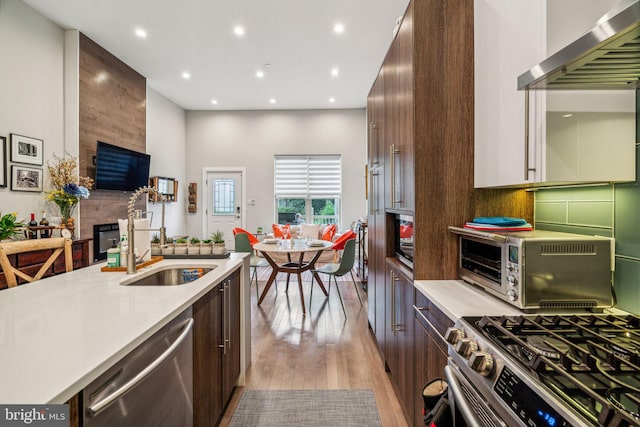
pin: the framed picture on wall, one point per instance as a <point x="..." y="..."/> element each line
<point x="25" y="149"/>
<point x="3" y="161"/>
<point x="25" y="178"/>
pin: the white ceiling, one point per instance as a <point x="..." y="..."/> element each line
<point x="295" y="37"/>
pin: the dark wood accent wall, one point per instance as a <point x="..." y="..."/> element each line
<point x="444" y="193"/>
<point x="517" y="203"/>
<point x="113" y="110"/>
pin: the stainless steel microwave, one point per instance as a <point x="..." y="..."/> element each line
<point x="537" y="269"/>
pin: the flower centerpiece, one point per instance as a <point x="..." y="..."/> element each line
<point x="68" y="188"/>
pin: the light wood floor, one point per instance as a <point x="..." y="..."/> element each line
<point x="321" y="350"/>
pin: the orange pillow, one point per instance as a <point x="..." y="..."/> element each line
<point x="282" y="231"/>
<point x="338" y="245"/>
<point x="328" y="232"/>
<point x="252" y="239"/>
<point x="406" y="231"/>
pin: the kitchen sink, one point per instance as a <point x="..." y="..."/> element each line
<point x="169" y="276"/>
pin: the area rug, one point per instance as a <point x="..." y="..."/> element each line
<point x="306" y="408"/>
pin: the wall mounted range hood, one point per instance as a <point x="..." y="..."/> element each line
<point x="606" y="57"/>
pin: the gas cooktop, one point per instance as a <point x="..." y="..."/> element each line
<point x="591" y="362"/>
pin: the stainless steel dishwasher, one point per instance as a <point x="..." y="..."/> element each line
<point x="151" y="386"/>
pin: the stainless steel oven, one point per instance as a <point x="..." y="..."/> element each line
<point x="545" y="370"/>
<point x="539" y="269"/>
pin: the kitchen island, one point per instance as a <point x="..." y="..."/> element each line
<point x="60" y="333"/>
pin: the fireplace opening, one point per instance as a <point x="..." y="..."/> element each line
<point x="105" y="236"/>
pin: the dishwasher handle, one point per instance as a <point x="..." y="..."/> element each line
<point x="100" y="406"/>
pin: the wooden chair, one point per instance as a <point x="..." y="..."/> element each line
<point x="58" y="244"/>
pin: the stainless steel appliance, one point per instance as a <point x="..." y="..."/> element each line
<point x="605" y="57"/>
<point x="554" y="371"/>
<point x="535" y="270"/>
<point x="403" y="238"/>
<point x="151" y="386"/>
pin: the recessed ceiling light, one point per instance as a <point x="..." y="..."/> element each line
<point x="238" y="30"/>
<point x="214" y="101"/>
<point x="186" y="75"/>
<point x="259" y="74"/>
<point x="141" y="33"/>
<point x="332" y="100"/>
<point x="272" y="100"/>
<point x="334" y="72"/>
<point x="338" y="28"/>
<point x="567" y="115"/>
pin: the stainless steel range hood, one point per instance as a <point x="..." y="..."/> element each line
<point x="606" y="57"/>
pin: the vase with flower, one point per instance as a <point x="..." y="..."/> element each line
<point x="68" y="189"/>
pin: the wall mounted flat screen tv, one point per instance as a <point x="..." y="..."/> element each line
<point x="118" y="168"/>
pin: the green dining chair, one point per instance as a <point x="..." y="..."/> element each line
<point x="243" y="245"/>
<point x="336" y="270"/>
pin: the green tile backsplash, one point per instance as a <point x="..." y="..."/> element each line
<point x="611" y="210"/>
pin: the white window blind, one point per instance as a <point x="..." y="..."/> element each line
<point x="309" y="177"/>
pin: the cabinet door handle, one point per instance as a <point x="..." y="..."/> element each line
<point x="395" y="327"/>
<point x="229" y="314"/>
<point x="527" y="136"/>
<point x="374" y="144"/>
<point x="393" y="302"/>
<point x="223" y="346"/>
<point x="373" y="206"/>
<point x="392" y="172"/>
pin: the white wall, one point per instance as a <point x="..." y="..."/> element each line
<point x="251" y="138"/>
<point x="166" y="144"/>
<point x="31" y="84"/>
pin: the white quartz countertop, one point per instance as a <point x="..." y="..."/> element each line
<point x="456" y="298"/>
<point x="60" y="333"/>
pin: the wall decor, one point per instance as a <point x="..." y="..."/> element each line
<point x="26" y="150"/>
<point x="24" y="178"/>
<point x="193" y="198"/>
<point x="3" y="161"/>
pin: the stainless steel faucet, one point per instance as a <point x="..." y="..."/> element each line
<point x="131" y="255"/>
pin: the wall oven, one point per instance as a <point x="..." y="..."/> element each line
<point x="553" y="371"/>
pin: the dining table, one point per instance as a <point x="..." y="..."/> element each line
<point x="295" y="251"/>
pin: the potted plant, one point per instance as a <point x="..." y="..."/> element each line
<point x="169" y="247"/>
<point x="218" y="243"/>
<point x="10" y="227"/>
<point x="205" y="247"/>
<point x="181" y="246"/>
<point x="194" y="246"/>
<point x="155" y="245"/>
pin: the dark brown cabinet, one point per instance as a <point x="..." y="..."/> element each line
<point x="430" y="348"/>
<point x="420" y="146"/>
<point x="216" y="353"/>
<point x="399" y="333"/>
<point x="398" y="119"/>
<point x="376" y="216"/>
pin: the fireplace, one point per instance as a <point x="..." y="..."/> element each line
<point x="105" y="236"/>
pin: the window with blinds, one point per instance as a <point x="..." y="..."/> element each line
<point x="309" y="177"/>
<point x="308" y="188"/>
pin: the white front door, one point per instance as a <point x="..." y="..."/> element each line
<point x="224" y="204"/>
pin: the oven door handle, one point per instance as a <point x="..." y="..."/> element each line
<point x="459" y="401"/>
